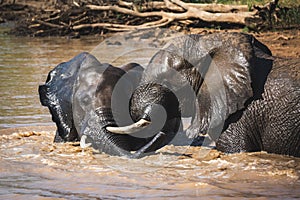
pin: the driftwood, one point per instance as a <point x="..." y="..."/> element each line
<point x="81" y="17"/>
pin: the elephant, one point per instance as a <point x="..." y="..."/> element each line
<point x="232" y="88"/>
<point x="87" y="99"/>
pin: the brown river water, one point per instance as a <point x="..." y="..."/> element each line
<point x="33" y="167"/>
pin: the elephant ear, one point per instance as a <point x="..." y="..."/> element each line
<point x="57" y="94"/>
<point x="89" y="91"/>
<point x="236" y="76"/>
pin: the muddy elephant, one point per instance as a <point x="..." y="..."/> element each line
<point x="87" y="98"/>
<point x="232" y="88"/>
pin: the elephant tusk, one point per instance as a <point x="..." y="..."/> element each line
<point x="129" y="129"/>
<point x="83" y="143"/>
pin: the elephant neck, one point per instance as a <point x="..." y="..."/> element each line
<point x="105" y="116"/>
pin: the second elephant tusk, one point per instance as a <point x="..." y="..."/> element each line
<point x="137" y="126"/>
<point x="83" y="143"/>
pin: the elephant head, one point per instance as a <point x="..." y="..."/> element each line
<point x="87" y="99"/>
<point x="211" y="78"/>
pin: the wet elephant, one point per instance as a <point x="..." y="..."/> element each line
<point x="86" y="98"/>
<point x="228" y="83"/>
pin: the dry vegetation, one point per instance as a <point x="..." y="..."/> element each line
<point x="85" y="17"/>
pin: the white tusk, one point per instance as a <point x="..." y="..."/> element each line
<point x="137" y="126"/>
<point x="84" y="145"/>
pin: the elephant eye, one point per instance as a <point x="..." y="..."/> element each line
<point x="85" y="99"/>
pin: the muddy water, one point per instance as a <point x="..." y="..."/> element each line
<point x="33" y="167"/>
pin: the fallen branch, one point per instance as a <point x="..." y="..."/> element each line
<point x="48" y="24"/>
<point x="122" y="27"/>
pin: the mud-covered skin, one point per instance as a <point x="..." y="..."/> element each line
<point x="79" y="96"/>
<point x="227" y="73"/>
